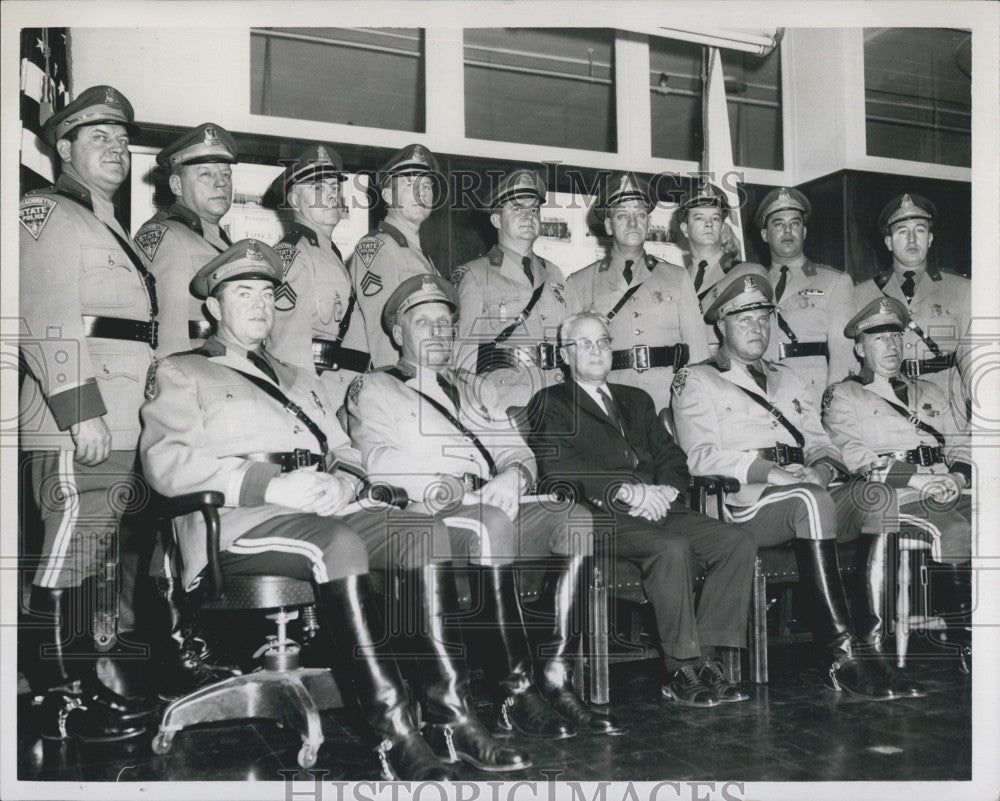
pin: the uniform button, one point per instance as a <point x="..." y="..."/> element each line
<point x="774" y="424"/>
<point x="297" y="430"/>
<point x="909" y="345"/>
<point x="637" y="331"/>
<point x="635" y="314"/>
<point x="669" y="298"/>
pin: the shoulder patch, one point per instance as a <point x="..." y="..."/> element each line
<point x="152" y="386"/>
<point x="458" y="274"/>
<point x="557" y="291"/>
<point x="371" y="284"/>
<point x="680" y="379"/>
<point x="288" y="252"/>
<point x="828" y="396"/>
<point x="367" y="248"/>
<point x="34" y="213"/>
<point x="354" y="389"/>
<point x="149" y="238"/>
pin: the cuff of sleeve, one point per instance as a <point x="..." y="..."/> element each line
<point x="255" y="482"/>
<point x="964" y="469"/>
<point x="840" y="471"/>
<point x="527" y="476"/>
<point x="79" y="403"/>
<point x="898" y="474"/>
<point x="758" y="470"/>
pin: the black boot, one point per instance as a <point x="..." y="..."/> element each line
<point x="868" y="612"/>
<point x="351" y="614"/>
<point x="497" y="615"/>
<point x="184" y="659"/>
<point x="819" y="580"/>
<point x="453" y="731"/>
<point x="951" y="599"/>
<point x="560" y="598"/>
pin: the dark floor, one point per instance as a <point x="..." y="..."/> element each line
<point x="791" y="730"/>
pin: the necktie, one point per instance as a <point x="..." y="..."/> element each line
<point x="526" y="266"/>
<point x="699" y="279"/>
<point x="610" y="408"/>
<point x="779" y="290"/>
<point x="899" y="388"/>
<point x="909" y="286"/>
<point x="758" y="376"/>
<point x="449" y="389"/>
<point x="258" y="361"/>
<point x="627" y="272"/>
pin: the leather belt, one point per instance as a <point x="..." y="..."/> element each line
<point x="643" y="357"/>
<point x="782" y="454"/>
<point x="544" y="355"/>
<point x="915" y="367"/>
<point x="789" y="350"/>
<point x="199" y="329"/>
<point x="328" y="355"/>
<point x="288" y="460"/>
<point x="923" y="455"/>
<point x="121" y="328"/>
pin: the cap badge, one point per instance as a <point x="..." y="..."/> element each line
<point x="906" y="202"/>
<point x="783" y="194"/>
<point x="419" y="154"/>
<point x="211" y="137"/>
<point x="322" y="155"/>
<point x="748" y="284"/>
<point x="111" y="98"/>
<point x="428" y="285"/>
<point x="253" y="250"/>
<point x="885" y="307"/>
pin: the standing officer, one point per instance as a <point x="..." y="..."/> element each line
<point x="650" y="305"/>
<point x="178" y="241"/>
<point x="512" y="301"/>
<point x="813" y="302"/>
<point x="392" y="252"/>
<point x="900" y="430"/>
<point x="939" y="302"/>
<point x="317" y="323"/>
<point x="88" y="311"/>
<point x="742" y="416"/>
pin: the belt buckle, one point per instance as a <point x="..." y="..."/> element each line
<point x="301" y="457"/>
<point x="154" y="333"/>
<point x="469" y="482"/>
<point x="912" y="367"/>
<point x="546" y="355"/>
<point x="640" y="357"/>
<point x="925" y="455"/>
<point x="781" y="452"/>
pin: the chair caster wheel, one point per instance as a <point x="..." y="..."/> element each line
<point x="163" y="742"/>
<point x="307" y="755"/>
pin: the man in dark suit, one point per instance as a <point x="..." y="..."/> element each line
<point x="606" y="442"/>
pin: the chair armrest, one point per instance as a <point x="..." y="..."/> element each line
<point x="167" y="508"/>
<point x="208" y="503"/>
<point x="701" y="487"/>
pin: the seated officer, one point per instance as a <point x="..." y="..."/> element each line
<point x="650" y="305"/>
<point x="232" y="418"/>
<point x="901" y="431"/>
<point x="740" y="415"/>
<point x="430" y="429"/>
<point x="606" y="441"/>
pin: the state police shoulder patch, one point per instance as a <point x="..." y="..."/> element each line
<point x="367" y="248"/>
<point x="828" y="396"/>
<point x="680" y="379"/>
<point x="288" y="253"/>
<point x="355" y="389"/>
<point x="458" y="274"/>
<point x="149" y="237"/>
<point x="34" y="213"/>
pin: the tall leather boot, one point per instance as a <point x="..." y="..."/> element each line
<point x="498" y="619"/>
<point x="351" y="614"/>
<point x="561" y="598"/>
<point x="819" y="579"/>
<point x="453" y="730"/>
<point x="62" y="669"/>
<point x="951" y="598"/>
<point x="185" y="662"/>
<point x="868" y="613"/>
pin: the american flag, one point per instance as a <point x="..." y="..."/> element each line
<point x="44" y="90"/>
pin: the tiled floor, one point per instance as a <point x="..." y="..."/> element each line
<point x="792" y="729"/>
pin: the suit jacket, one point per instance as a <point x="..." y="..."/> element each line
<point x="577" y="445"/>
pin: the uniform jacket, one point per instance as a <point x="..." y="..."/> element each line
<point x="311" y="303"/>
<point x="71" y="265"/>
<point x="493" y="290"/>
<point x="817" y="303"/>
<point x="721" y="429"/>
<point x="862" y="424"/>
<point x="406" y="442"/>
<point x="576" y="443"/>
<point x="173" y="246"/>
<point x="382" y="260"/>
<point x="664" y="311"/>
<point x="716" y="270"/>
<point x="201" y="414"/>
<point x="942" y="307"/>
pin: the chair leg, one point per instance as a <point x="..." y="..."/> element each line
<point x="758" y="626"/>
<point x="902" y="607"/>
<point x="598" y="632"/>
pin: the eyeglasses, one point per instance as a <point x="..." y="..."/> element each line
<point x="602" y="343"/>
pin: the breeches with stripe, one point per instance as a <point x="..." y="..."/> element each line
<point x="949" y="530"/>
<point x="813" y="512"/>
<point x="80" y="509"/>
<point x="308" y="546"/>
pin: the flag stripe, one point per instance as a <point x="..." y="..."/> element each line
<point x="35" y="155"/>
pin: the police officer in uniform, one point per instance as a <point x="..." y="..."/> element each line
<point x="392" y="252"/>
<point x="900" y="430"/>
<point x="939" y="302"/>
<point x="430" y="428"/>
<point x="652" y="310"/>
<point x="813" y="301"/>
<point x="231" y="417"/>
<point x="178" y="241"/>
<point x="512" y="301"/>
<point x="88" y="307"/>
<point x="317" y="323"/>
<point x="743" y="416"/>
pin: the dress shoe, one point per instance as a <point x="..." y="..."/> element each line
<point x="527" y="713"/>
<point x="687" y="689"/>
<point x="468" y="740"/>
<point x="585" y="719"/>
<point x="860" y="677"/>
<point x="96" y="695"/>
<point x="711" y="675"/>
<point x="62" y="715"/>
<point x="409" y="758"/>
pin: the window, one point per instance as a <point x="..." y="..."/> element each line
<point x="918" y="94"/>
<point x="551" y="86"/>
<point x="371" y="77"/>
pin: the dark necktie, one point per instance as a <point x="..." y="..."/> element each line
<point x="779" y="290"/>
<point x="627" y="272"/>
<point x="909" y="286"/>
<point x="258" y="361"/>
<point x="699" y="279"/>
<point x="609" y="407"/>
<point x="449" y="389"/>
<point x="758" y="376"/>
<point x="899" y="388"/>
<point x="526" y="266"/>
